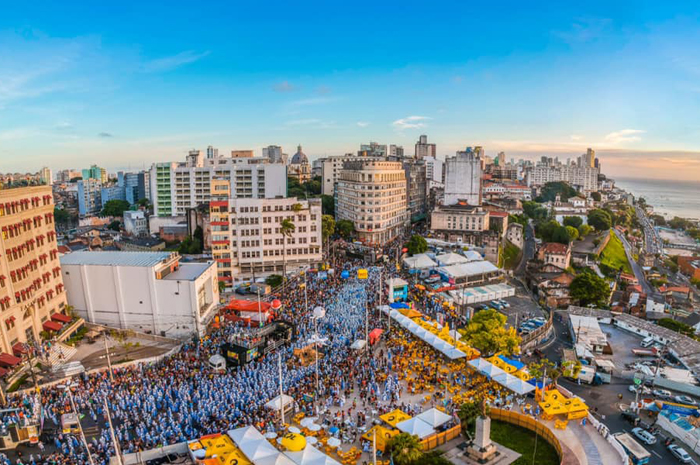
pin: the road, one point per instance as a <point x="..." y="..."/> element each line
<point x="652" y="242"/>
<point x="528" y="249"/>
<point x="638" y="272"/>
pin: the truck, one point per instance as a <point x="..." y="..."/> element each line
<point x="262" y="288"/>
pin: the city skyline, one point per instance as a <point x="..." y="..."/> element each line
<point x="118" y="89"/>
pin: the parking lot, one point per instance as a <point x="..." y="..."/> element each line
<point x="522" y="306"/>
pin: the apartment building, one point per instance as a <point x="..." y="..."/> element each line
<point x="247" y="239"/>
<point x="578" y="173"/>
<point x="31" y="288"/>
<point x="331" y="168"/>
<point x="175" y="187"/>
<point x="463" y="177"/>
<point x="373" y="195"/>
<point x="89" y="196"/>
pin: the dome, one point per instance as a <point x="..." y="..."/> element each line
<point x="299" y="158"/>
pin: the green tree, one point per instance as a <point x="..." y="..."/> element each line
<point x="222" y="286"/>
<point x="345" y="228"/>
<point x="190" y="245"/>
<point x="405" y="449"/>
<point x="520" y="219"/>
<point x="327" y="229"/>
<point x="313" y="187"/>
<point x="114" y="225"/>
<point x="596" y="196"/>
<point x="328" y="205"/>
<point x="676" y="326"/>
<point x="552" y="231"/>
<point x="534" y="210"/>
<point x="487" y="332"/>
<point x="574" y="221"/>
<point x="297" y="207"/>
<point x="589" y="289"/>
<point x="572" y="232"/>
<point x="61" y="215"/>
<point x="544" y="367"/>
<point x="550" y="191"/>
<point x="468" y="413"/>
<point x="75" y="179"/>
<point x="122" y="337"/>
<point x="287" y="228"/>
<point x="274" y="280"/>
<point x="115" y="208"/>
<point x="433" y="457"/>
<point x="584" y="230"/>
<point x="417" y="244"/>
<point x="600" y="219"/>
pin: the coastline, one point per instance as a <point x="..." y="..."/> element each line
<point x="669" y="198"/>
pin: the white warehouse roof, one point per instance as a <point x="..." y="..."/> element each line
<point x="140" y="259"/>
<point x="470" y="269"/>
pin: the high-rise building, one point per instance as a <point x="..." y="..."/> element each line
<point x="31" y="288"/>
<point x="247" y="239"/>
<point x="424" y="149"/>
<point x="372" y="194"/>
<point x="578" y="174"/>
<point x="417" y="200"/>
<point x="212" y="152"/>
<point x="589" y="159"/>
<point x="95" y="172"/>
<point x="89" y="196"/>
<point x="501" y="159"/>
<point x="274" y="154"/>
<point x="241" y="154"/>
<point x="463" y="177"/>
<point x="299" y="167"/>
<point x="175" y="187"/>
<point x="433" y="169"/>
<point x="46" y="176"/>
<point x="112" y="193"/>
<point x="396" y="151"/>
<point x="373" y="149"/>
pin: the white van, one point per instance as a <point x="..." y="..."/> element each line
<point x="647" y="342"/>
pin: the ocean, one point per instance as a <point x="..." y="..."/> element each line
<point x="669" y="198"/>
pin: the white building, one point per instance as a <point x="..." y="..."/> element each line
<point x="577" y="173"/>
<point x="274" y="154"/>
<point x="136" y="223"/>
<point x="463" y="178"/>
<point x="331" y="168"/>
<point x="433" y="170"/>
<point x="143" y="291"/>
<point x="178" y="186"/>
<point x="46" y="175"/>
<point x="247" y="239"/>
<point x="424" y="149"/>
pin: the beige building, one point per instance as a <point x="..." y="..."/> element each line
<point x="299" y="167"/>
<point x="246" y="235"/>
<point x="373" y="195"/>
<point x="331" y="168"/>
<point x="31" y="287"/>
<point x="468" y="225"/>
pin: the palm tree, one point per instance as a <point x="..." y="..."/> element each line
<point x="286" y="229"/>
<point x="405" y="449"/>
<point x="468" y="413"/>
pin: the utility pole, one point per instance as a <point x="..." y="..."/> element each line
<point x="259" y="310"/>
<point x="109" y="362"/>
<point x="31" y="370"/>
<point x="117" y="449"/>
<point x="80" y="427"/>
<point x="279" y="354"/>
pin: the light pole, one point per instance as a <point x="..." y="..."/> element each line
<point x="319" y="312"/>
<point x="80" y="427"/>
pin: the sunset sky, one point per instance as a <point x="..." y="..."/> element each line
<point x="126" y="86"/>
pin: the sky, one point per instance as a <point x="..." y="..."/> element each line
<point x="126" y="84"/>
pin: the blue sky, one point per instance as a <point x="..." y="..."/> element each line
<point x="124" y="86"/>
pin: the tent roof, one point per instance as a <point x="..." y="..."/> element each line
<point x="274" y="404"/>
<point x="469" y="269"/>
<point x="418" y="261"/>
<point x="416" y="426"/>
<point x="434" y="417"/>
<point x="310" y="456"/>
<point x="451" y="258"/>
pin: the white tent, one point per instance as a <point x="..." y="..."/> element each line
<point x="434" y="417"/>
<point x="419" y="262"/>
<point x="279" y="459"/>
<point x="451" y="258"/>
<point x="359" y="344"/>
<point x="253" y="444"/>
<point x="519" y="386"/>
<point x="473" y="256"/>
<point x="310" y="456"/>
<point x="439" y="344"/>
<point x="479" y="364"/>
<point x="274" y="404"/>
<point x="416" y="426"/>
<point x="455" y="353"/>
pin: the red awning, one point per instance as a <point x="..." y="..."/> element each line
<point x="8" y="360"/>
<point x="52" y="326"/>
<point x="61" y="318"/>
<point x="19" y="349"/>
<point x="3" y="371"/>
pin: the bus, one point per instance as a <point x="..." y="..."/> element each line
<point x="636" y="452"/>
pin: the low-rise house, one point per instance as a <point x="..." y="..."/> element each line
<point x="555" y="253"/>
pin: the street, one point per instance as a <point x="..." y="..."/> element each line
<point x="638" y="272"/>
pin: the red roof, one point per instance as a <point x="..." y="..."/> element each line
<point x="3" y="371"/>
<point x="499" y="214"/>
<point x="61" y="318"/>
<point x="8" y="360"/>
<point x="555" y="248"/>
<point x="63" y="249"/>
<point x="52" y="326"/>
<point x="19" y="349"/>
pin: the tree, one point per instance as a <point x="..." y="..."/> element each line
<point x="75" y="179"/>
<point x="287" y="227"/>
<point x="114" y="225"/>
<point x="677" y="326"/>
<point x="328" y="205"/>
<point x="434" y="457"/>
<point x="574" y="221"/>
<point x="572" y="232"/>
<point x="190" y="245"/>
<point x="552" y="231"/>
<point x="405" y="449"/>
<point x="468" y="413"/>
<point x="520" y="219"/>
<point x="274" y="280"/>
<point x="487" y="332"/>
<point x="313" y="187"/>
<point x="222" y="286"/>
<point x="550" y="191"/>
<point x="115" y="208"/>
<point x="297" y="207"/>
<point x="345" y="228"/>
<point x="534" y="210"/>
<point x="544" y="367"/>
<point x="61" y="215"/>
<point x="417" y="244"/>
<point x="589" y="289"/>
<point x="584" y="230"/>
<point x="600" y="219"/>
<point x="596" y="196"/>
<point x="327" y="229"/>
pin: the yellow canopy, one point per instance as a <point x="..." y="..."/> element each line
<point x="523" y="374"/>
<point x="235" y="457"/>
<point x="384" y="435"/>
<point x="217" y="445"/>
<point x="397" y="416"/>
<point x="410" y="313"/>
<point x="575" y="404"/>
<point x="293" y="442"/>
<point x="554" y="408"/>
<point x="497" y="361"/>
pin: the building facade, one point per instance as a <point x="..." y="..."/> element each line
<point x="136" y="223"/>
<point x="144" y="291"/>
<point x="577" y="173"/>
<point x="175" y="187"/>
<point x="463" y="178"/>
<point x="247" y="239"/>
<point x="31" y="287"/>
<point x="373" y="149"/>
<point x="299" y="167"/>
<point x="424" y="149"/>
<point x="274" y="154"/>
<point x="373" y="195"/>
<point x="89" y="196"/>
<point x="331" y="168"/>
<point x="417" y="190"/>
<point x="46" y="175"/>
<point x="95" y="172"/>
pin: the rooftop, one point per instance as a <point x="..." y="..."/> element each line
<point x="555" y="247"/>
<point x="189" y="271"/>
<point x="140" y="259"/>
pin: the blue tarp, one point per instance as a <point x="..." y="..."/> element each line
<point x="518" y="365"/>
<point x="398" y="305"/>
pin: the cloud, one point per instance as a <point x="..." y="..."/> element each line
<point x="314" y="123"/>
<point x="105" y="135"/>
<point x="624" y="135"/>
<point x="410" y="122"/>
<point x="65" y="126"/>
<point x="362" y="124"/>
<point x="284" y="86"/>
<point x="575" y="137"/>
<point x="172" y="62"/>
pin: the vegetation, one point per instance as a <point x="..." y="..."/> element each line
<point x="511" y="255"/>
<point x="18" y="383"/>
<point x="523" y="441"/>
<point x="584" y="230"/>
<point x="468" y="413"/>
<point x="521" y="219"/>
<point x="677" y="326"/>
<point x="78" y="336"/>
<point x="327" y="228"/>
<point x="572" y="232"/>
<point x="596" y="196"/>
<point x="222" y="286"/>
<point x="122" y="338"/>
<point x="405" y="449"/>
<point x="573" y="221"/>
<point x="571" y="369"/>
<point x="600" y="219"/>
<point x="613" y="256"/>
<point x="589" y="289"/>
<point x="115" y="208"/>
<point x="274" y="280"/>
<point x="535" y="211"/>
<point x="328" y="205"/>
<point x="192" y="244"/>
<point x="487" y="332"/>
<point x="544" y="367"/>
<point x="61" y="216"/>
<point x="552" y="231"/>
<point x="417" y="244"/>
<point x="286" y="229"/>
<point x="552" y="189"/>
<point x="345" y="228"/>
<point x="310" y="188"/>
<point x="114" y="225"/>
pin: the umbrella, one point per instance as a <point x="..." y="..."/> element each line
<point x="314" y="427"/>
<point x="294" y="429"/>
<point x="311" y="440"/>
<point x="306" y="421"/>
<point x="271" y="435"/>
<point x="333" y="429"/>
<point x="334" y="442"/>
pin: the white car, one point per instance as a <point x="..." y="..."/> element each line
<point x="663" y="393"/>
<point x="685" y="400"/>
<point x="680" y="453"/>
<point x="644" y="436"/>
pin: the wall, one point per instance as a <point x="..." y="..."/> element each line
<point x="155" y="222"/>
<point x="436" y="440"/>
<point x="532" y="424"/>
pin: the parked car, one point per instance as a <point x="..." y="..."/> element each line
<point x="432" y="279"/>
<point x="663" y="393"/>
<point x="644" y="436"/>
<point x="630" y="417"/>
<point x="680" y="453"/>
<point x="539" y="319"/>
<point x="242" y="290"/>
<point x="685" y="400"/>
<point x="504" y="303"/>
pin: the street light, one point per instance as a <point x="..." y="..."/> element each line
<point x="77" y="417"/>
<point x="319" y="312"/>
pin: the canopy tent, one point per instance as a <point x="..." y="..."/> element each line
<point x="359" y="344"/>
<point x="419" y="262"/>
<point x="517" y="364"/>
<point x="253" y="444"/>
<point x="383" y="436"/>
<point x="498" y="362"/>
<point x="416" y="426"/>
<point x="555" y="403"/>
<point x="394" y="417"/>
<point x="473" y="256"/>
<point x="517" y="385"/>
<point x="428" y="333"/>
<point x="311" y="456"/>
<point x="398" y="305"/>
<point x="451" y="258"/>
<point x="434" y="417"/>
<point x="274" y="404"/>
<point x="410" y="313"/>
